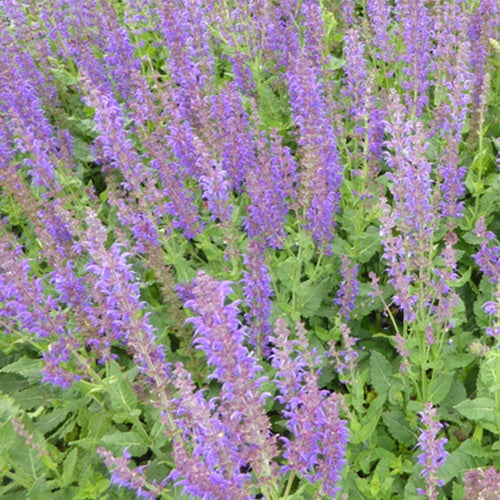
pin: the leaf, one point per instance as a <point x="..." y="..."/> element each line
<point x="26" y="367"/>
<point x="306" y="491"/>
<point x="440" y="387"/>
<point x="457" y="463"/>
<point x="69" y="467"/>
<point x="457" y="491"/>
<point x="488" y="383"/>
<point x="479" y="409"/>
<point x="464" y="279"/>
<point x="12" y="383"/>
<point x="310" y="296"/>
<point x="474" y="449"/>
<point x="8" y="407"/>
<point x="64" y="76"/>
<point x="369" y="244"/>
<point x="27" y="459"/>
<point x="40" y="489"/>
<point x="380" y="373"/>
<point x="122" y="396"/>
<point x="456" y="395"/>
<point x="118" y="441"/>
<point x="370" y="421"/>
<point x="98" y="425"/>
<point x="398" y="427"/>
<point x="287" y="270"/>
<point x="51" y="420"/>
<point x="30" y="398"/>
<point x="459" y="360"/>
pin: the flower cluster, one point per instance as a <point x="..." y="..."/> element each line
<point x="433" y="454"/>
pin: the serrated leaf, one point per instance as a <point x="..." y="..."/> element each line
<point x="98" y="425"/>
<point x="118" y="441"/>
<point x="456" y="395"/>
<point x="287" y="270"/>
<point x="457" y="463"/>
<point x="26" y="367"/>
<point x="8" y="407"/>
<point x="51" y="420"/>
<point x="122" y="396"/>
<point x="464" y="278"/>
<point x="27" y="459"/>
<point x="474" y="449"/>
<point x="457" y="491"/>
<point x="64" y="76"/>
<point x="398" y="427"/>
<point x="380" y="373"/>
<point x="479" y="409"/>
<point x="126" y="417"/>
<point x="440" y="387"/>
<point x="471" y="238"/>
<point x="30" y="398"/>
<point x="370" y="420"/>
<point x="459" y="360"/>
<point x="369" y="244"/>
<point x="310" y="296"/>
<point x="12" y="383"/>
<point x="69" y="467"/>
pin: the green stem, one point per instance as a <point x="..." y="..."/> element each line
<point x="291" y="477"/>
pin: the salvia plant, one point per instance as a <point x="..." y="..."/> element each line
<point x="249" y="249"/>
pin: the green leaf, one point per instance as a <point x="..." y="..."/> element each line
<point x="457" y="491"/>
<point x="8" y="407"/>
<point x="287" y="270"/>
<point x="398" y="427"/>
<point x="306" y="491"/>
<point x="27" y="459"/>
<point x="310" y="296"/>
<point x="456" y="395"/>
<point x="380" y="373"/>
<point x="369" y="244"/>
<point x="51" y="420"/>
<point x="69" y="467"/>
<point x="457" y="463"/>
<point x="126" y="417"/>
<point x="488" y="383"/>
<point x="122" y="396"/>
<point x="370" y="421"/>
<point x="40" y="489"/>
<point x="97" y="425"/>
<point x="118" y="441"/>
<point x="474" y="449"/>
<point x="440" y="387"/>
<point x="26" y="367"/>
<point x="479" y="409"/>
<point x="64" y="76"/>
<point x="31" y="398"/>
<point x="459" y="360"/>
<point x="12" y="383"/>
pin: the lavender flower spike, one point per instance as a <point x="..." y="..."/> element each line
<point x="220" y="335"/>
<point x="122" y="475"/>
<point x="317" y="449"/>
<point x="433" y="454"/>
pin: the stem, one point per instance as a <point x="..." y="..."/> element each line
<point x="291" y="478"/>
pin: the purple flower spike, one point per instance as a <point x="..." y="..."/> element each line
<point x="258" y="293"/>
<point x="317" y="449"/>
<point x="123" y="476"/>
<point x="433" y="454"/>
<point x="243" y="420"/>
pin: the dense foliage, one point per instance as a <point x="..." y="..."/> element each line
<point x="249" y="249"/>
